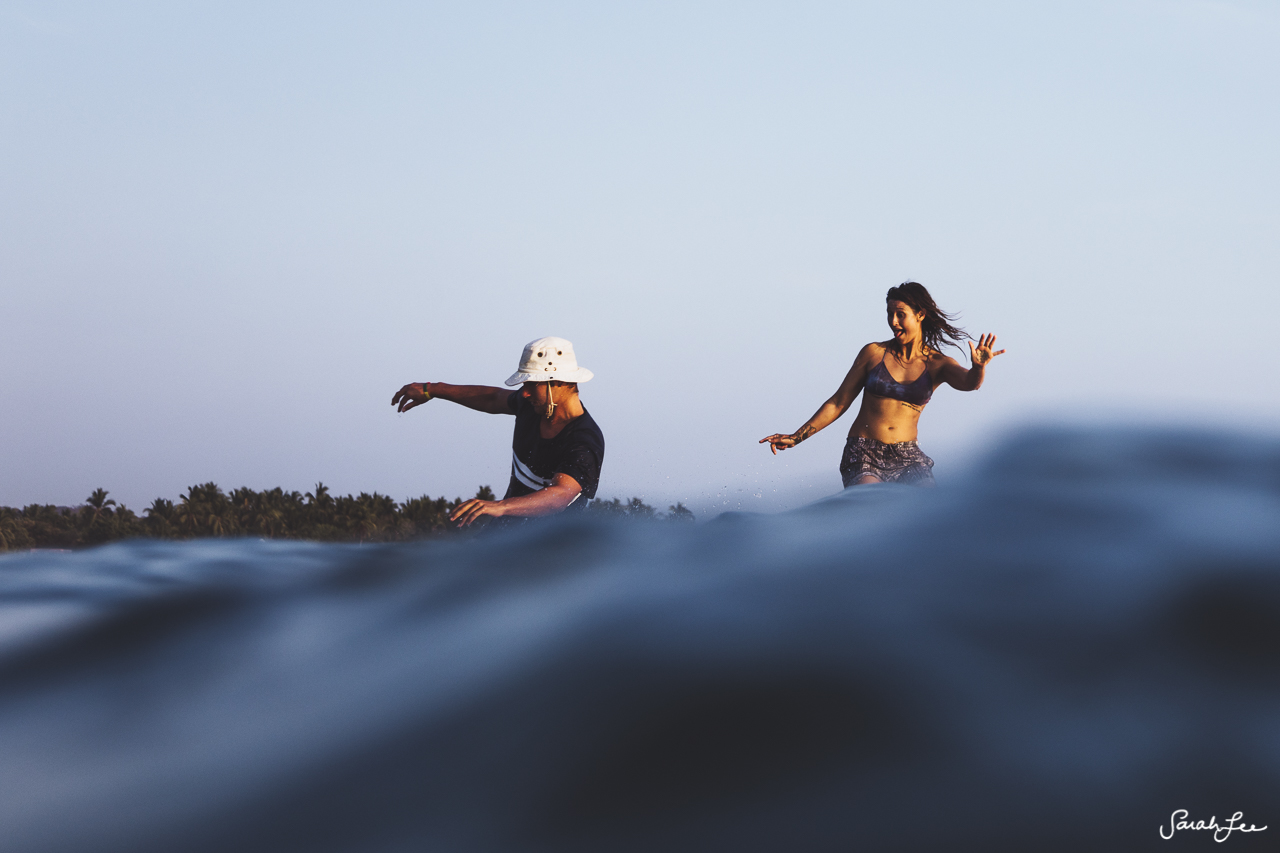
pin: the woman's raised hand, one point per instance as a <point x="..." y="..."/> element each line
<point x="981" y="354"/>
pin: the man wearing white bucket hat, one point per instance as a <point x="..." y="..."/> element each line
<point x="557" y="449"/>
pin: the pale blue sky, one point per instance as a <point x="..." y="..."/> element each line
<point x="229" y="231"/>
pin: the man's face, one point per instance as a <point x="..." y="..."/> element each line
<point x="542" y="396"/>
<point x="535" y="393"/>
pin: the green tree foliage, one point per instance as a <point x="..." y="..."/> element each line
<point x="206" y="511"/>
<point x="161" y="519"/>
<point x="13" y="533"/>
<point x="679" y="512"/>
<point x="637" y="510"/>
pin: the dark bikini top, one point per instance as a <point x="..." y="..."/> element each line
<point x="880" y="383"/>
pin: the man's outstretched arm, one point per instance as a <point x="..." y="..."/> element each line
<point x="482" y="398"/>
<point x="554" y="498"/>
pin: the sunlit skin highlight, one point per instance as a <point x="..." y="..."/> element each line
<point x="906" y="357"/>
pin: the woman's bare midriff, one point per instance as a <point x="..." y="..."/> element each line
<point x="885" y="420"/>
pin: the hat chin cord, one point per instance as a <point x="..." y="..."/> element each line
<point x="551" y="403"/>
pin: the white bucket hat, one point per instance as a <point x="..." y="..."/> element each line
<point x="549" y="360"/>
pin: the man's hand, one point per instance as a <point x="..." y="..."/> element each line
<point x="556" y="497"/>
<point x="413" y="394"/>
<point x="469" y="511"/>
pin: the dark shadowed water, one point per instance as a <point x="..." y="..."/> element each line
<point x="1052" y="654"/>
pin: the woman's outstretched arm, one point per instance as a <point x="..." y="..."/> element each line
<point x="980" y="356"/>
<point x="837" y="404"/>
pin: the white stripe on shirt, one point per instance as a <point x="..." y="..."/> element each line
<point x="525" y="475"/>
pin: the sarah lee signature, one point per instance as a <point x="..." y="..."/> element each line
<point x="1221" y="832"/>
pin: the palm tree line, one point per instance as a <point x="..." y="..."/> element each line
<point x="206" y="511"/>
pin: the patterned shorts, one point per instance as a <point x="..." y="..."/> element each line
<point x="900" y="462"/>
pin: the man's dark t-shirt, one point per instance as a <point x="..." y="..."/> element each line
<point x="578" y="450"/>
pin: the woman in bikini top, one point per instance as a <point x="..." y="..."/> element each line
<point x="899" y="376"/>
<point x="881" y="383"/>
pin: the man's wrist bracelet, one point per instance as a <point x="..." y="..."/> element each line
<point x="425" y="392"/>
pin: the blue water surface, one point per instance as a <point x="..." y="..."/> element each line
<point x="1051" y="654"/>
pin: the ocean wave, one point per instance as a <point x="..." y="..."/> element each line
<point x="1053" y="653"/>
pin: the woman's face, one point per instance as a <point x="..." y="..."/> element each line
<point x="904" y="321"/>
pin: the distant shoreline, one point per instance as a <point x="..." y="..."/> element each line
<point x="205" y="511"/>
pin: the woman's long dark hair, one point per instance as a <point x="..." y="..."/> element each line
<point x="936" y="326"/>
